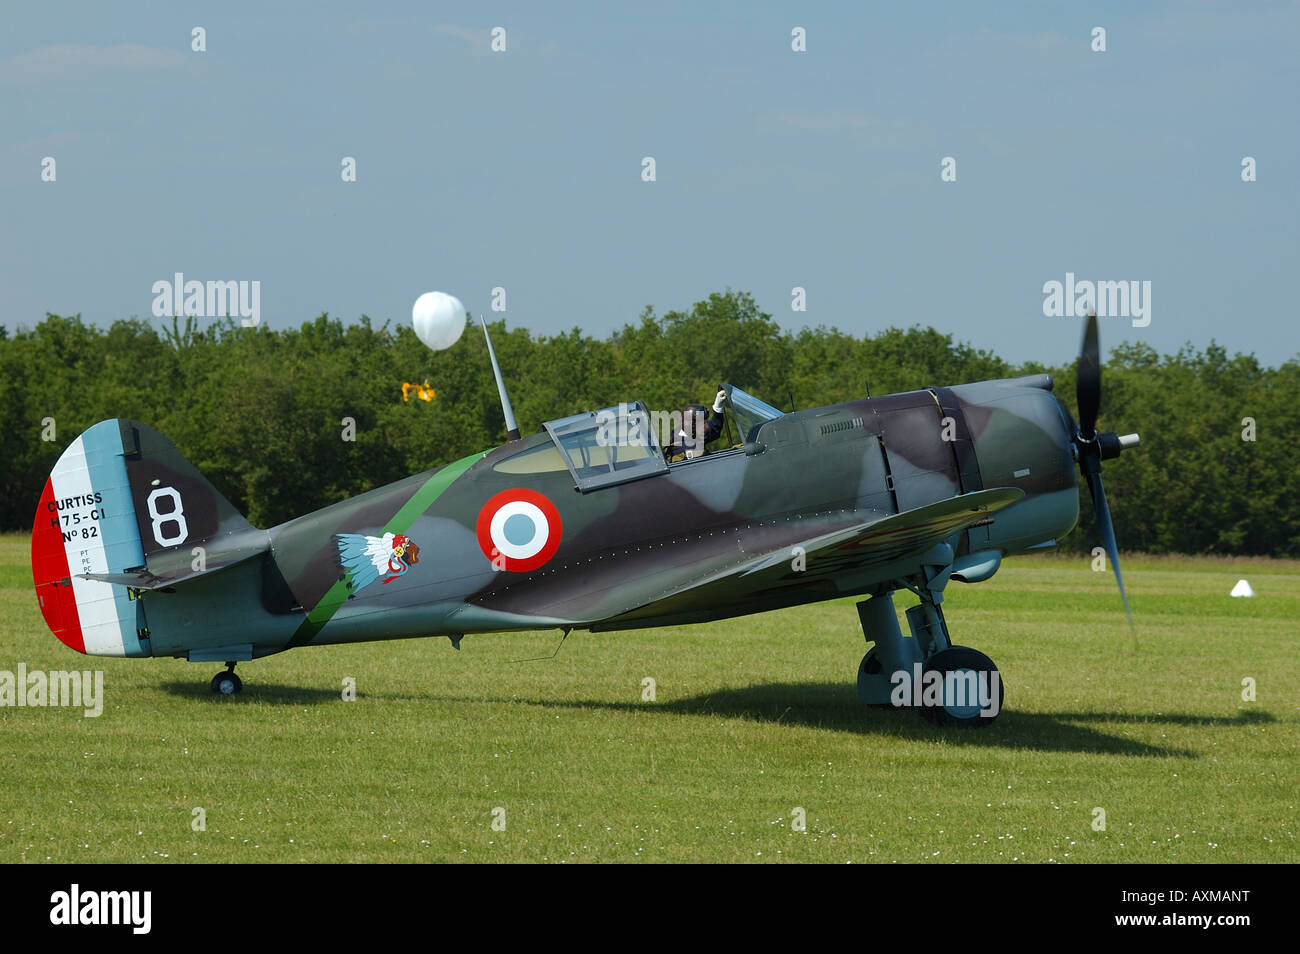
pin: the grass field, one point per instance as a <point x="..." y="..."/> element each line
<point x="753" y="718"/>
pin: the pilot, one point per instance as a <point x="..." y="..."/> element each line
<point x="690" y="443"/>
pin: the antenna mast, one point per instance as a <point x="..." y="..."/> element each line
<point x="511" y="427"/>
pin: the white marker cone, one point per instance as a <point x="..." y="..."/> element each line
<point x="1242" y="589"/>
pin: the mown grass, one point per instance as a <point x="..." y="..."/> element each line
<point x="753" y="719"/>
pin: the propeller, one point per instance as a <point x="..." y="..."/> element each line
<point x="1087" y="388"/>
<point x="1091" y="448"/>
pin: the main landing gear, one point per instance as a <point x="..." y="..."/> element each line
<point x="227" y="683"/>
<point x="947" y="684"/>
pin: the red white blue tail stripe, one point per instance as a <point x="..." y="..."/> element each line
<point x="86" y="523"/>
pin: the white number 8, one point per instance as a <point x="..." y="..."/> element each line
<point x="176" y="515"/>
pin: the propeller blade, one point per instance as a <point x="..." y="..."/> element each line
<point x="1087" y="388"/>
<point x="1102" y="509"/>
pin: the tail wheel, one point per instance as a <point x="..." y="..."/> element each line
<point x="226" y="684"/>
<point x="972" y="690"/>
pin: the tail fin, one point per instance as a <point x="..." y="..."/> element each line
<point x="123" y="510"/>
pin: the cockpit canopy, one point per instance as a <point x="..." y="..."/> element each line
<point x="609" y="446"/>
<point x="617" y="444"/>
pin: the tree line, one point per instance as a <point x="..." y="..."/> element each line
<point x="261" y="412"/>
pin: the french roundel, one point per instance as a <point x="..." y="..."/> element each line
<point x="519" y="530"/>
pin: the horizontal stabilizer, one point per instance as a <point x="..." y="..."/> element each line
<point x="234" y="550"/>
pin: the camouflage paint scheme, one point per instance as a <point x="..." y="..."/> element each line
<point x="848" y="499"/>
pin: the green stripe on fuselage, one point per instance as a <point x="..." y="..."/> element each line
<point x="400" y="522"/>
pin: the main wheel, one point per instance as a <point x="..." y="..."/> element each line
<point x="226" y="684"/>
<point x="971" y="692"/>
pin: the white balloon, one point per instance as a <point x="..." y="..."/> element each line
<point x="439" y="319"/>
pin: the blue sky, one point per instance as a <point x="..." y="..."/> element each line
<point x="775" y="169"/>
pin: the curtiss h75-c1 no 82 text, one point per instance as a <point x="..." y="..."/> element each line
<point x="569" y="529"/>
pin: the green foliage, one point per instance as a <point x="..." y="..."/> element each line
<point x="261" y="412"/>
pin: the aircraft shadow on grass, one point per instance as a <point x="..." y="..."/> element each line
<point x="829" y="706"/>
<point x="835" y="707"/>
<point x="269" y="693"/>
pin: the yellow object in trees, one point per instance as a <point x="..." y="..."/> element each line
<point x="423" y="391"/>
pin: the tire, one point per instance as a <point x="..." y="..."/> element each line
<point x="962" y="659"/>
<point x="226" y="684"/>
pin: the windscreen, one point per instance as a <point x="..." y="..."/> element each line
<point x="750" y="413"/>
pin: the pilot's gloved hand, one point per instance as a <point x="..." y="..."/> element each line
<point x="717" y="402"/>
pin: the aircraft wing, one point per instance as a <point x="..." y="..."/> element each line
<point x="698" y="580"/>
<point x="880" y="542"/>
<point x="894" y="537"/>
